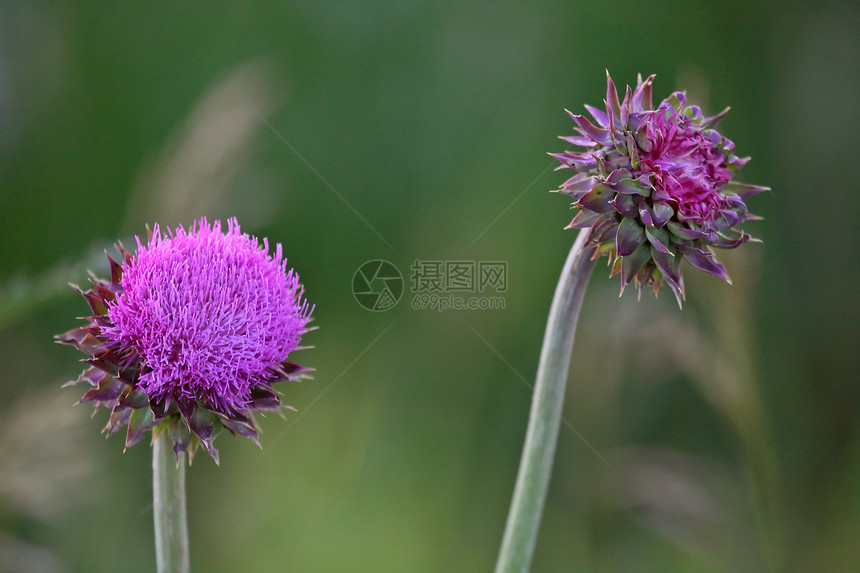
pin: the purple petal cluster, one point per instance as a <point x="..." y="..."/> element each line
<point x="190" y="334"/>
<point x="655" y="187"/>
<point x="210" y="313"/>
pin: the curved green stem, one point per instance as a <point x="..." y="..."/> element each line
<point x="168" y="505"/>
<point x="530" y="491"/>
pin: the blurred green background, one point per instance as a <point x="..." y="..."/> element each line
<point x="351" y="131"/>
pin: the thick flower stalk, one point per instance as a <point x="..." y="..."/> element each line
<point x="655" y="187"/>
<point x="189" y="335"/>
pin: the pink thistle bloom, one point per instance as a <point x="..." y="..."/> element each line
<point x="190" y="334"/>
<point x="655" y="187"/>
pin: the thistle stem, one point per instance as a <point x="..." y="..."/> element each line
<point x="168" y="505"/>
<point x="532" y="483"/>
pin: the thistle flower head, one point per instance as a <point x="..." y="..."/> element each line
<point x="655" y="186"/>
<point x="190" y="333"/>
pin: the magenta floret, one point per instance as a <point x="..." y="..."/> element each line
<point x="190" y="334"/>
<point x="209" y="313"/>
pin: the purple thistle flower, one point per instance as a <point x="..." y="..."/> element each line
<point x="655" y="187"/>
<point x="190" y="333"/>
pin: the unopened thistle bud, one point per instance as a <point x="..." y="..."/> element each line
<point x="655" y="187"/>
